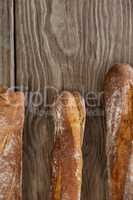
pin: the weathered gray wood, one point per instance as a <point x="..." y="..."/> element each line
<point x="6" y="43"/>
<point x="68" y="44"/>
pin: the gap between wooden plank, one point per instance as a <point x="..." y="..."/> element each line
<point x="7" y="43"/>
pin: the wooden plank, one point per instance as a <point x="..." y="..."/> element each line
<point x="68" y="45"/>
<point x="6" y="43"/>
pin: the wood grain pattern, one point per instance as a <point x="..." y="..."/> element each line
<point x="6" y="43"/>
<point x="68" y="45"/>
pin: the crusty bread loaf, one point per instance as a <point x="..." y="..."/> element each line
<point x="67" y="154"/>
<point x="11" y="124"/>
<point x="118" y="88"/>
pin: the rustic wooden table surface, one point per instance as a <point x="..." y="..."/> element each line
<point x="62" y="45"/>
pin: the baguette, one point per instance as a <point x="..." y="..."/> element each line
<point x="11" y="125"/>
<point x="118" y="90"/>
<point x="67" y="154"/>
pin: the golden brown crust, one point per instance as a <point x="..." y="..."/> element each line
<point x="128" y="193"/>
<point x="118" y="87"/>
<point x="67" y="154"/>
<point x="82" y="112"/>
<point x="11" y="124"/>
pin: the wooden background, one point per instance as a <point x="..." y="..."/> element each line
<point x="62" y="44"/>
